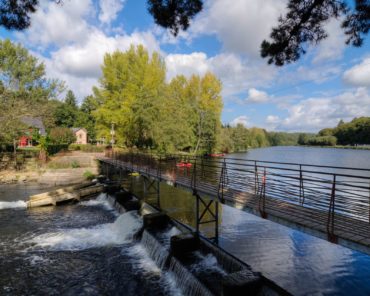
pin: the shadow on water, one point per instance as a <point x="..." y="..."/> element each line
<point x="301" y="263"/>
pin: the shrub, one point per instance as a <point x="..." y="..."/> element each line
<point x="6" y="147"/>
<point x="323" y="141"/>
<point x="74" y="147"/>
<point x="61" y="135"/>
<point x="75" y="164"/>
<point x="89" y="175"/>
<point x="55" y="148"/>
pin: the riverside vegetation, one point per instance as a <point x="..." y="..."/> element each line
<point x="147" y="110"/>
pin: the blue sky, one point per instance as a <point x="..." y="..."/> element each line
<point x="331" y="82"/>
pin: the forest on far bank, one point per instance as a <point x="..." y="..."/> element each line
<point x="355" y="132"/>
<point x="146" y="110"/>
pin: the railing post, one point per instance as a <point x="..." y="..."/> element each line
<point x="301" y="188"/>
<point x="262" y="199"/>
<point x="194" y="176"/>
<point x="255" y="178"/>
<point x="330" y="225"/>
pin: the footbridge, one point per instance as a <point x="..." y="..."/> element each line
<point x="326" y="201"/>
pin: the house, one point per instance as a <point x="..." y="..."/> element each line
<point x="81" y="135"/>
<point x="34" y="124"/>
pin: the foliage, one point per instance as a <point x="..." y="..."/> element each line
<point x="355" y="132"/>
<point x="322" y="141"/>
<point x="283" y="139"/>
<point x="55" y="148"/>
<point x="174" y="15"/>
<point x="149" y="113"/>
<point x="351" y="133"/>
<point x="89" y="175"/>
<point x="304" y="23"/>
<point x="6" y="147"/>
<point x="75" y="164"/>
<point x="24" y="91"/>
<point x="61" y="135"/>
<point x="16" y="14"/>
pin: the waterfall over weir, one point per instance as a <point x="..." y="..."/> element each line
<point x="155" y="250"/>
<point x="189" y="284"/>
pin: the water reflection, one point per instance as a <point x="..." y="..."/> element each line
<point x="301" y="263"/>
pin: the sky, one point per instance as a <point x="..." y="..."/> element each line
<point x="329" y="83"/>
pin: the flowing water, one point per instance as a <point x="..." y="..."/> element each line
<point x="81" y="249"/>
<point x="88" y="248"/>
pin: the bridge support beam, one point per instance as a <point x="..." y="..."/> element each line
<point x="206" y="213"/>
<point x="152" y="187"/>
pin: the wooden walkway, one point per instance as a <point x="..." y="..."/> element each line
<point x="324" y="210"/>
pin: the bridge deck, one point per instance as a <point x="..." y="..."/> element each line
<point x="348" y="230"/>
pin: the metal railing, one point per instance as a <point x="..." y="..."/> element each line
<point x="332" y="198"/>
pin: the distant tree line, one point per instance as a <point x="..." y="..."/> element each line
<point x="355" y="132"/>
<point x="240" y="138"/>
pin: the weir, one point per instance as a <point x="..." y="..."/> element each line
<point x="326" y="201"/>
<point x="226" y="276"/>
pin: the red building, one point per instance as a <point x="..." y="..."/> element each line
<point x="34" y="125"/>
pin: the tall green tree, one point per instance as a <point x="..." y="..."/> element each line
<point x="66" y="112"/>
<point x="132" y="85"/>
<point x="25" y="89"/>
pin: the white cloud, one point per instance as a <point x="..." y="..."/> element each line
<point x="237" y="74"/>
<point x="257" y="96"/>
<point x="272" y="119"/>
<point x="186" y="64"/>
<point x="80" y="64"/>
<point x="85" y="60"/>
<point x="109" y="10"/>
<point x="358" y="75"/>
<point x="241" y="25"/>
<point x="333" y="46"/>
<point x="240" y="120"/>
<point x="314" y="114"/>
<point x="59" y="24"/>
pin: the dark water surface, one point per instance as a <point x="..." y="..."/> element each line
<point x="87" y="248"/>
<point x="81" y="249"/>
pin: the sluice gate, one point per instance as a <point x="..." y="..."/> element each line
<point x="326" y="201"/>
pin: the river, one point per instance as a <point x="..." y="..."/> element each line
<point x="87" y="248"/>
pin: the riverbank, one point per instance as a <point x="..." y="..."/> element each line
<point x="338" y="147"/>
<point x="64" y="169"/>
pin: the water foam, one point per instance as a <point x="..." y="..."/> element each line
<point x="143" y="261"/>
<point x="101" y="200"/>
<point x="119" y="232"/>
<point x="207" y="263"/>
<point x="12" y="204"/>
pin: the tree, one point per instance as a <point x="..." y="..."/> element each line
<point x="15" y="14"/>
<point x="174" y="15"/>
<point x="131" y="87"/>
<point x="61" y="135"/>
<point x="66" y="113"/>
<point x="71" y="99"/>
<point x="25" y="90"/>
<point x="85" y="116"/>
<point x="302" y="24"/>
